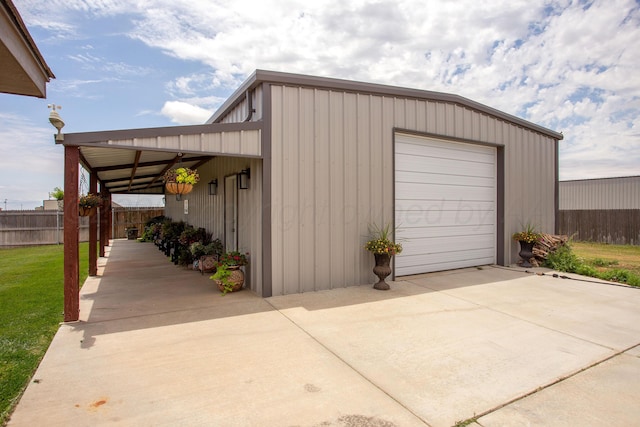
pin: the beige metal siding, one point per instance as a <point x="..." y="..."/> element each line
<point x="600" y="194"/>
<point x="242" y="142"/>
<point x="208" y="211"/>
<point x="239" y="113"/>
<point x="332" y="176"/>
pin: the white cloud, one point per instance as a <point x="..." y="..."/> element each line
<point x="571" y="66"/>
<point x="184" y="113"/>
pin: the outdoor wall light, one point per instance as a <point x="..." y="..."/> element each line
<point x="213" y="187"/>
<point x="243" y="179"/>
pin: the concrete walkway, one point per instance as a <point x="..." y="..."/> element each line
<point x="158" y="346"/>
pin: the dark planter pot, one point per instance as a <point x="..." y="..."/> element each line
<point x="382" y="270"/>
<point x="526" y="252"/>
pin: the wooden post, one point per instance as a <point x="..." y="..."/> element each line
<point x="71" y="235"/>
<point x="93" y="229"/>
<point x="104" y="222"/>
<point x="110" y="216"/>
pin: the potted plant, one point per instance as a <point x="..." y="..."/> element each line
<point x="180" y="180"/>
<point x="206" y="256"/>
<point x="88" y="204"/>
<point x="527" y="239"/>
<point x="383" y="248"/>
<point x="228" y="275"/>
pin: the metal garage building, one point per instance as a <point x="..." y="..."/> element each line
<point x="329" y="157"/>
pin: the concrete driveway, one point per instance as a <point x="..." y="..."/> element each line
<point x="158" y="346"/>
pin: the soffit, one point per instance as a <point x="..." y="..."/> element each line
<point x="23" y="71"/>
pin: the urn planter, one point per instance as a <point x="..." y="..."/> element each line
<point x="526" y="252"/>
<point x="382" y="270"/>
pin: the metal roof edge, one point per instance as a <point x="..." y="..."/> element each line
<point x="87" y="138"/>
<point x="601" y="179"/>
<point x="24" y="31"/>
<point x="277" y="77"/>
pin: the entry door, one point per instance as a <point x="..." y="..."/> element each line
<point x="231" y="213"/>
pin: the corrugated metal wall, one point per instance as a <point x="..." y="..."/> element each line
<point x="332" y="176"/>
<point x="600" y="194"/>
<point x="208" y="211"/>
<point x="240" y="112"/>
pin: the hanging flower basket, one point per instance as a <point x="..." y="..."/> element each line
<point x="87" y="210"/>
<point x="87" y="205"/>
<point x="180" y="180"/>
<point x="178" y="187"/>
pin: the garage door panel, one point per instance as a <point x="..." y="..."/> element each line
<point x="442" y="179"/>
<point x="429" y="219"/>
<point x="416" y="264"/>
<point x="415" y="191"/>
<point x="405" y="234"/>
<point x="433" y="244"/>
<point x="444" y="166"/>
<point x="445" y="204"/>
<point x="455" y="151"/>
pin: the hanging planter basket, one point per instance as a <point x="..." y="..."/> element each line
<point x="88" y="204"/>
<point x="178" y="187"/>
<point x="87" y="210"/>
<point x="180" y="180"/>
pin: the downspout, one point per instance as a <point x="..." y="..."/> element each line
<point x="250" y="109"/>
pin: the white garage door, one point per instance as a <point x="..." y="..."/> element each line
<point x="445" y="195"/>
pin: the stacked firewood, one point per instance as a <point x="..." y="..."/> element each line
<point x="548" y="243"/>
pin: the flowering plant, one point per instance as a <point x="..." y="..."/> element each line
<point x="529" y="235"/>
<point x="182" y="176"/>
<point x="381" y="242"/>
<point x="234" y="258"/>
<point x="89" y="201"/>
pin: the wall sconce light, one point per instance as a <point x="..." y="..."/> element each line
<point x="243" y="179"/>
<point x="213" y="187"/>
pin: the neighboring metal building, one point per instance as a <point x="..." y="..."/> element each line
<point x="600" y="194"/>
<point x="603" y="210"/>
<point x="328" y="158"/>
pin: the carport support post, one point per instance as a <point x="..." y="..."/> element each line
<point x="104" y="221"/>
<point x="71" y="235"/>
<point x="93" y="229"/>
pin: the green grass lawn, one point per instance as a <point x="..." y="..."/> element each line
<point x="615" y="263"/>
<point x="31" y="306"/>
<point x="606" y="257"/>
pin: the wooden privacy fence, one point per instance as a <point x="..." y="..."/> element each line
<point x="28" y="228"/>
<point x="125" y="218"/>
<point x="616" y="226"/>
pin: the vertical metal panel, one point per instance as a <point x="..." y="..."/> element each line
<point x="239" y="113"/>
<point x="600" y="194"/>
<point x="333" y="161"/>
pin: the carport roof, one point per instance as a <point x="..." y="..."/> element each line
<point x="133" y="161"/>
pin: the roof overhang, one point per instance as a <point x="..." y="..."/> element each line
<point x="133" y="161"/>
<point x="24" y="70"/>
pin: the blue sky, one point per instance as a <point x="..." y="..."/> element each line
<point x="571" y="66"/>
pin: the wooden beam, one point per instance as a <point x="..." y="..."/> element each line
<point x="133" y="170"/>
<point x="71" y="235"/>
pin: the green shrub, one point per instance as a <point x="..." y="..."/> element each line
<point x="599" y="262"/>
<point x="563" y="259"/>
